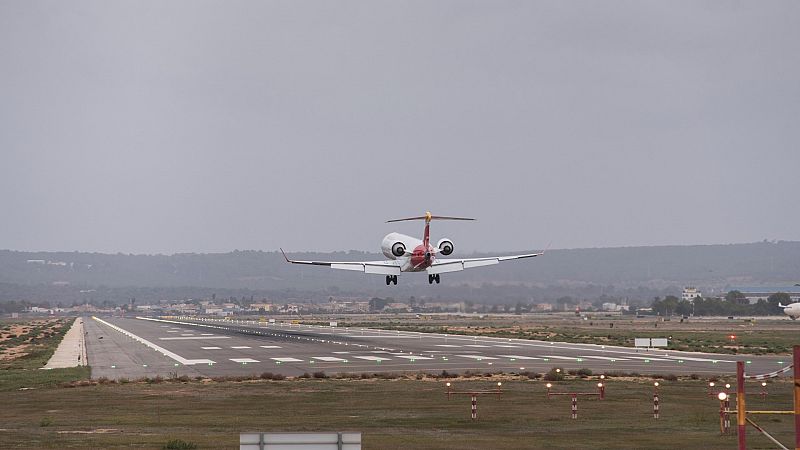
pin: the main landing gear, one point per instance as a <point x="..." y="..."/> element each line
<point x="434" y="277"/>
<point x="391" y="279"/>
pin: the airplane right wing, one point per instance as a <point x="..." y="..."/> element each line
<point x="387" y="267"/>
<point x="454" y="265"/>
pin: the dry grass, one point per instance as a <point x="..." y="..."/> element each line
<point x="391" y="414"/>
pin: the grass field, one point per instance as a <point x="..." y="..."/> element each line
<point x="391" y="414"/>
<point x="27" y="345"/>
<point x="758" y="336"/>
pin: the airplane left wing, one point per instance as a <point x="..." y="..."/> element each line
<point x="388" y="267"/>
<point x="454" y="265"/>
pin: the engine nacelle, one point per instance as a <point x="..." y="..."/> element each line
<point x="396" y="245"/>
<point x="445" y="247"/>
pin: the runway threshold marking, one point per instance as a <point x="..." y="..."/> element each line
<point x="373" y="358"/>
<point x="606" y="358"/>
<point x="162" y="350"/>
<point x="328" y="358"/>
<point x="244" y="360"/>
<point x="287" y="359"/>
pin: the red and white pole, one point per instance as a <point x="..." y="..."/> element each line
<point x="727" y="421"/>
<point x="574" y="406"/>
<point x="741" y="411"/>
<point x="474" y="407"/>
<point x="655" y="405"/>
<point x="796" y="396"/>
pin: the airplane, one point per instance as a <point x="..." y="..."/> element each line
<point x="421" y="258"/>
<point x="792" y="310"/>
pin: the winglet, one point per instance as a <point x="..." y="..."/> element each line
<point x="284" y="256"/>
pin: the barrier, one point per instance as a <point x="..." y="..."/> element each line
<point x="300" y="441"/>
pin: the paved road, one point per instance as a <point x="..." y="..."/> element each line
<point x="135" y="347"/>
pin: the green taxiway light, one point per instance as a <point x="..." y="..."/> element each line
<point x="646" y="360"/>
<point x="144" y="365"/>
<point x="749" y="362"/>
<point x="113" y="367"/>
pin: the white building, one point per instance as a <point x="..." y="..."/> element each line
<point x="690" y="293"/>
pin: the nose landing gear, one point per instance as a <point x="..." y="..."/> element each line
<point x="391" y="279"/>
<point x="434" y="277"/>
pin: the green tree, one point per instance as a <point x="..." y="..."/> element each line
<point x="736" y="297"/>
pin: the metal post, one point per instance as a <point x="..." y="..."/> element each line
<point x="474" y="407"/>
<point x="796" y="397"/>
<point x="655" y="405"/>
<point x="741" y="411"/>
<point x="727" y="424"/>
<point x="574" y="406"/>
<point x="602" y="388"/>
<point x="721" y="416"/>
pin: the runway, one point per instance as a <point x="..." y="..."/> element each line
<point x="137" y="347"/>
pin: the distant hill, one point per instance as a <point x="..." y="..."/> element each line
<point x="601" y="271"/>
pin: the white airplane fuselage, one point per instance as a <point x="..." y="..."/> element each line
<point x="792" y="310"/>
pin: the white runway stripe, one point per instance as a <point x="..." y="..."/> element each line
<point x="476" y="345"/>
<point x="244" y="360"/>
<point x="328" y="358"/>
<point x="478" y="357"/>
<point x="568" y="358"/>
<point x="648" y="358"/>
<point x="211" y="348"/>
<point x="372" y="358"/>
<point x="287" y="359"/>
<point x="270" y="346"/>
<point x="507" y="346"/>
<point x="519" y="357"/>
<point x="239" y="347"/>
<point x="413" y="357"/>
<point x="698" y="359"/>
<point x="447" y="345"/>
<point x="188" y="338"/>
<point x="607" y="358"/>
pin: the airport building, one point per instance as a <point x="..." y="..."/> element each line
<point x="690" y="293"/>
<point x="754" y="294"/>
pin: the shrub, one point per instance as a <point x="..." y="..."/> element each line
<point x="304" y="375"/>
<point x="671" y="377"/>
<point x="584" y="372"/>
<point x="45" y="422"/>
<point x="320" y="374"/>
<point x="555" y="374"/>
<point x="179" y="444"/>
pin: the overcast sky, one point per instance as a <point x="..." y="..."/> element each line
<point x="192" y="126"/>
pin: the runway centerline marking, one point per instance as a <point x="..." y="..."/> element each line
<point x="240" y="347"/>
<point x="270" y="346"/>
<point x="211" y="348"/>
<point x="162" y="350"/>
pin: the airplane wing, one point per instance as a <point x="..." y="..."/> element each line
<point x="388" y="267"/>
<point x="454" y="265"/>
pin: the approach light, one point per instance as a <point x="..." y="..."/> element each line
<point x="448" y="384"/>
<point x="727" y="386"/>
<point x="599" y="385"/>
<point x="722" y="396"/>
<point x="549" y="385"/>
<point x="558" y="370"/>
<point x="763" y="384"/>
<point x="655" y="384"/>
<point x="711" y="384"/>
<point x="602" y="377"/>
<point x="499" y="384"/>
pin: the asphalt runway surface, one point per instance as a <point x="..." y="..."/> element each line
<point x="138" y="347"/>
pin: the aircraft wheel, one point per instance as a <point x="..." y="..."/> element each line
<point x="388" y="279"/>
<point x="430" y="279"/>
<point x="394" y="279"/>
<point x="437" y="278"/>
